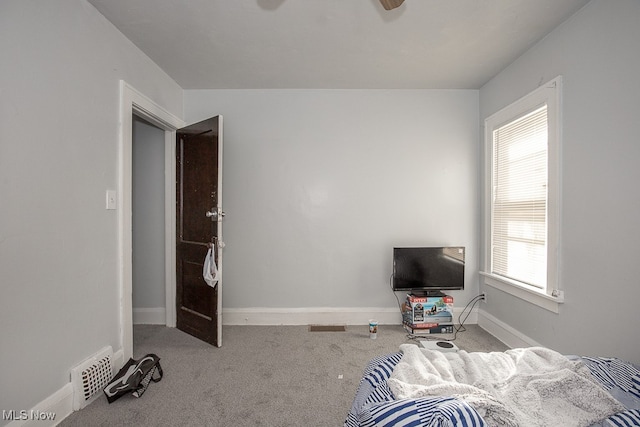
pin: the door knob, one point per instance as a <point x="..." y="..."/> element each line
<point x="216" y="214"/>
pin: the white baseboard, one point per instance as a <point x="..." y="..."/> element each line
<point x="307" y="316"/>
<point x="57" y="406"/>
<point x="505" y="333"/>
<point x="149" y="316"/>
<point x="59" y="403"/>
<point x="296" y="316"/>
<point x="319" y="315"/>
<point x="118" y="360"/>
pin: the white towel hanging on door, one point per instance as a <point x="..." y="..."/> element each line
<point x="210" y="270"/>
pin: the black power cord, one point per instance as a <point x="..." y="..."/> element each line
<point x="461" y="327"/>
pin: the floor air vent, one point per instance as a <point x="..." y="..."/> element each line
<point x="327" y="328"/>
<point x="90" y="377"/>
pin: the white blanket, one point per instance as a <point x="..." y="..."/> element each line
<point x="520" y="387"/>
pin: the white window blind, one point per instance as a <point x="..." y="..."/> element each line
<point x="519" y="208"/>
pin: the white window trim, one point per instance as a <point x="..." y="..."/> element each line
<point x="551" y="94"/>
<point x="525" y="292"/>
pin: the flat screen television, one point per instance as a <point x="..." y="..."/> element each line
<point x="428" y="270"/>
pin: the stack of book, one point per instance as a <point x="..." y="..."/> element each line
<point x="423" y="315"/>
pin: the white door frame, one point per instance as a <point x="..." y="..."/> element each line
<point x="133" y="102"/>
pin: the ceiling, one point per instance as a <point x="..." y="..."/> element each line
<point x="350" y="44"/>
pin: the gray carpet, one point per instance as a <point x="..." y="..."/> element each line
<point x="261" y="376"/>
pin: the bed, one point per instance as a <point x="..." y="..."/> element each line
<point x="525" y="387"/>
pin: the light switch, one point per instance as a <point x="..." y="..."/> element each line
<point x="111" y="199"/>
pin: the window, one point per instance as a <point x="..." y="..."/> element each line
<point x="522" y="162"/>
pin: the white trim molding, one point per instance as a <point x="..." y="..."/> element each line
<point x="505" y="333"/>
<point x="50" y="412"/>
<point x="306" y="316"/>
<point x="322" y="316"/>
<point x="552" y="295"/>
<point x="133" y="102"/>
<point x="532" y="295"/>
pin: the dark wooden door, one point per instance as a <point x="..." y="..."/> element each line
<point x="198" y="227"/>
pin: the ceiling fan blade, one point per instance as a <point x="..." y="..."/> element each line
<point x="391" y="4"/>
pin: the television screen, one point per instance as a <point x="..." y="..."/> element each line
<point x="429" y="269"/>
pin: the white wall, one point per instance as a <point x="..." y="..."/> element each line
<point x="59" y="101"/>
<point x="596" y="51"/>
<point x="148" y="206"/>
<point x="320" y="185"/>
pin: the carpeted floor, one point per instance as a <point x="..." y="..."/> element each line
<point x="261" y="376"/>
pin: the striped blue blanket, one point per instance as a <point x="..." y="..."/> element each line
<point x="375" y="405"/>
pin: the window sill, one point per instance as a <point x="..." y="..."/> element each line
<point x="529" y="294"/>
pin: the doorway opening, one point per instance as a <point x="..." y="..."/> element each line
<point x="133" y="103"/>
<point x="148" y="224"/>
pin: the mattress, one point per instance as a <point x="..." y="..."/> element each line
<point x="375" y="405"/>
